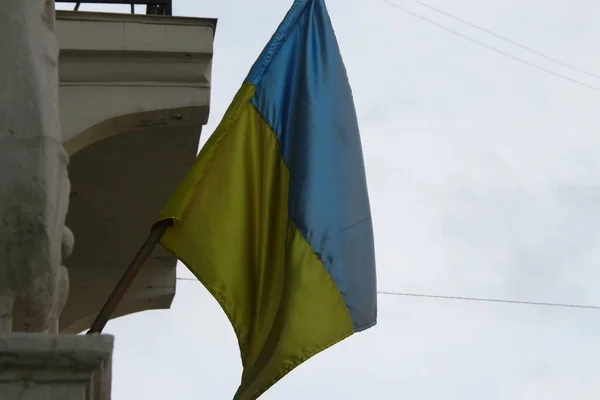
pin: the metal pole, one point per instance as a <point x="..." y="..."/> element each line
<point x="129" y="275"/>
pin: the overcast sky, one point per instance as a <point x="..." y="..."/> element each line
<point x="484" y="180"/>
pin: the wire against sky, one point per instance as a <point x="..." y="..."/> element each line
<point x="463" y="298"/>
<point x="492" y="48"/>
<point x="488" y="300"/>
<point x="507" y="40"/>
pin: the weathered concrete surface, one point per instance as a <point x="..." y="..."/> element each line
<point x="34" y="192"/>
<point x="55" y="367"/>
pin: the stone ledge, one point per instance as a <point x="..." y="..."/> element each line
<point x="96" y="31"/>
<point x="124" y="69"/>
<point x="40" y="366"/>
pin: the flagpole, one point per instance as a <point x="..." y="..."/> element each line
<point x="129" y="275"/>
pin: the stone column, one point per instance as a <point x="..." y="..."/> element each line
<point x="34" y="194"/>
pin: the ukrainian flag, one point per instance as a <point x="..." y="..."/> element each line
<point x="274" y="216"/>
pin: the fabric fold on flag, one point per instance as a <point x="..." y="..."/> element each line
<point x="274" y="216"/>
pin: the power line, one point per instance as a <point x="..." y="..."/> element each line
<point x="492" y="48"/>
<point x="504" y="38"/>
<point x="488" y="300"/>
<point x="463" y="298"/>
